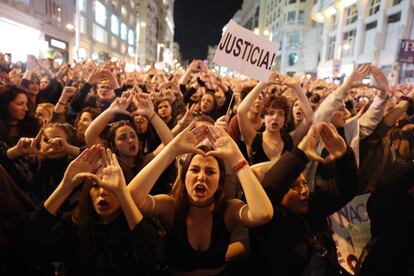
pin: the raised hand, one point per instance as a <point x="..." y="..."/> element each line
<point x="274" y="78"/>
<point x="224" y="146"/>
<point x="289" y="81"/>
<point x="81" y="166"/>
<point x="30" y="146"/>
<point x="144" y="105"/>
<point x="333" y="142"/>
<point x="113" y="178"/>
<point x="356" y="77"/>
<point x="67" y="94"/>
<point x="381" y="82"/>
<point x="94" y="77"/>
<point x="188" y="139"/>
<point x="121" y="104"/>
<point x="189" y="114"/>
<point x="222" y="122"/>
<point x="32" y="63"/>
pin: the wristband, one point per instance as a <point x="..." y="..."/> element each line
<point x="239" y="165"/>
<point x="150" y="119"/>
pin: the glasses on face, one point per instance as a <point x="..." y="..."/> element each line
<point x="299" y="185"/>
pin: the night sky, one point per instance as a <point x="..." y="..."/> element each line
<point x="199" y="23"/>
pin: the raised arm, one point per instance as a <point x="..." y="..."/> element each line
<point x="327" y="108"/>
<point x="301" y="130"/>
<point x="258" y="209"/>
<point x="74" y="175"/>
<point x="113" y="180"/>
<point x="145" y="107"/>
<point x="142" y="184"/>
<point x="93" y="131"/>
<point x="247" y="130"/>
<point x="371" y="118"/>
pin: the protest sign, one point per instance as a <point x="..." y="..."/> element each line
<point x="245" y="52"/>
<point x="336" y="66"/>
<point x="406" y="52"/>
<point x="350" y="227"/>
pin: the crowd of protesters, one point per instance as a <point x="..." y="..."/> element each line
<point x="108" y="172"/>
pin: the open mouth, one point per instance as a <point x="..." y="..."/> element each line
<point x="200" y="189"/>
<point x="274" y="125"/>
<point x="132" y="147"/>
<point x="103" y="203"/>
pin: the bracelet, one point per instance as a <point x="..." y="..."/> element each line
<point x="153" y="114"/>
<point x="239" y="165"/>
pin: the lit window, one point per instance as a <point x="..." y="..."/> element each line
<point x="82" y="24"/>
<point x="99" y="34"/>
<point x="82" y="5"/>
<point x="293" y="59"/>
<point x="351" y="14"/>
<point x="374" y="6"/>
<point x="114" y="25"/>
<point x="124" y="31"/>
<point x="131" y="50"/>
<point x="331" y="48"/>
<point x="124" y="11"/>
<point x="348" y="43"/>
<point x="100" y="13"/>
<point x="131" y="37"/>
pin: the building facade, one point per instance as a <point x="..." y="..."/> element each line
<point x="37" y="27"/>
<point x="138" y="32"/>
<point x="248" y="15"/>
<point x="364" y="32"/>
<point x="289" y="23"/>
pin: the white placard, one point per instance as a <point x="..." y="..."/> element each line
<point x="245" y="52"/>
<point x="350" y="227"/>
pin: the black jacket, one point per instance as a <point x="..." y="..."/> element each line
<point x="279" y="247"/>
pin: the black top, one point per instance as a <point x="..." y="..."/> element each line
<point x="280" y="246"/>
<point x="109" y="248"/>
<point x="182" y="257"/>
<point x="258" y="155"/>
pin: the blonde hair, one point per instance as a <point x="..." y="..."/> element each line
<point x="48" y="107"/>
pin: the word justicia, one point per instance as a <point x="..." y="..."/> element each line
<point x="248" y="51"/>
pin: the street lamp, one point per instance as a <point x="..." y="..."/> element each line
<point x="346" y="46"/>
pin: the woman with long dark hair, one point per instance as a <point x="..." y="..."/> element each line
<point x="107" y="234"/>
<point x="198" y="217"/>
<point x="16" y="120"/>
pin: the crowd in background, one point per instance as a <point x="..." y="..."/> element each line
<point x="108" y="172"/>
